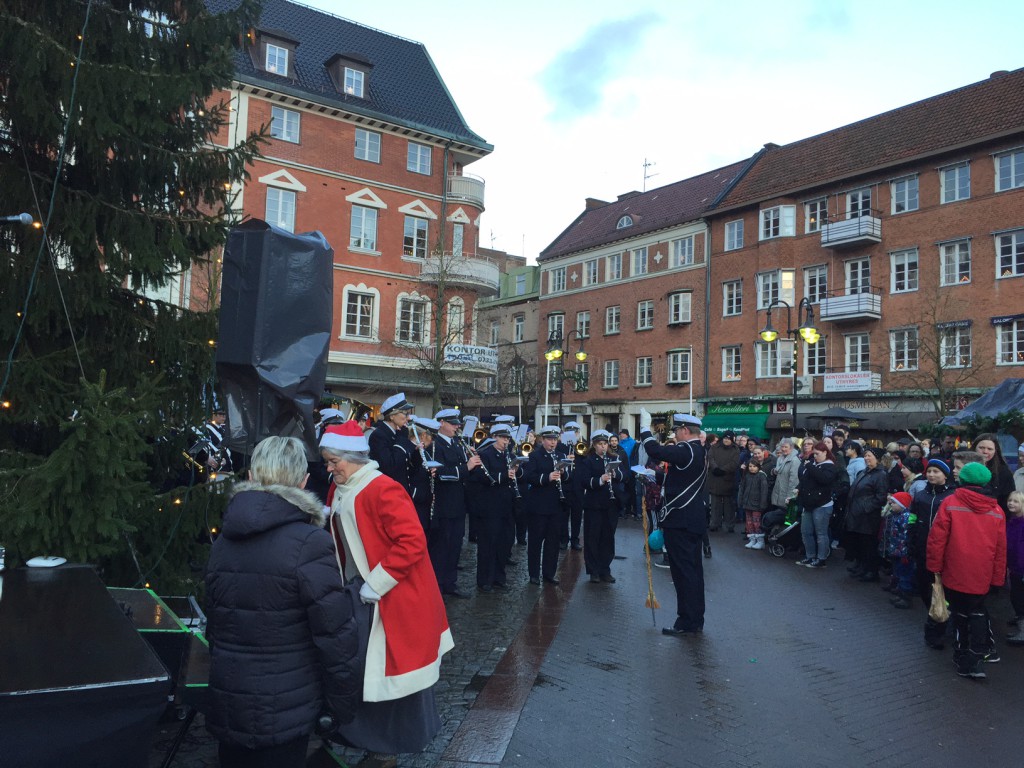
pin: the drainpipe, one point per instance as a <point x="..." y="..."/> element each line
<point x="707" y="303"/>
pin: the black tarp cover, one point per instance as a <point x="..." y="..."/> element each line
<point x="275" y="329"/>
<point x="1000" y="399"/>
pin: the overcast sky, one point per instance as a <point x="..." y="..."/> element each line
<point x="575" y="95"/>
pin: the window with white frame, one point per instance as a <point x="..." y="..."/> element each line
<point x="281" y="208"/>
<point x="815" y="358"/>
<point x="623" y="222"/>
<point x="555" y="378"/>
<point x="905" y="196"/>
<point x="614" y="268"/>
<point x="778" y="285"/>
<point x="591" y="269"/>
<point x="412" y="321"/>
<point x="277" y="59"/>
<point x="639" y="262"/>
<point x="583" y="324"/>
<point x="363" y="232"/>
<point x="1010" y="250"/>
<point x="354" y="82"/>
<point x="284" y="124"/>
<point x="458" y="235"/>
<point x="903" y="349"/>
<point x="1009" y="170"/>
<point x="858" y="203"/>
<point x="367" y="145"/>
<point x="679" y="307"/>
<point x="774" y="360"/>
<point x="955" y="349"/>
<point x="556" y="326"/>
<point x="779" y="221"/>
<point x="858" y="276"/>
<point x="612" y="320"/>
<point x="520" y="287"/>
<point x="678" y="361"/>
<point x="732" y="298"/>
<point x="518" y="328"/>
<point x="495" y="337"/>
<point x="734" y="235"/>
<point x="644" y="315"/>
<point x="359" y="314"/>
<point x="582" y="383"/>
<point x="1010" y="340"/>
<point x="815" y="215"/>
<point x="415" y="240"/>
<point x="732" y="359"/>
<point x="556" y="280"/>
<point x="456" y="320"/>
<point x="611" y="374"/>
<point x="418" y="158"/>
<point x="816" y="283"/>
<point x="858" y="352"/>
<point x="955" y="182"/>
<point x="682" y="252"/>
<point x="644" y="371"/>
<point x="955" y="258"/>
<point x="904" y="271"/>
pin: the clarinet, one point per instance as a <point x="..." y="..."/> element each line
<point x="416" y="434"/>
<point x="515" y="483"/>
<point x="430" y="475"/>
<point x="484" y="468"/>
<point x="611" y="491"/>
<point x="558" y="480"/>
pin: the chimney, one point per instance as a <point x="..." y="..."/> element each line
<point x="627" y="195"/>
<point x="592" y="202"/>
<point x="998" y="73"/>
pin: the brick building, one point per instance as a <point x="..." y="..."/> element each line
<point x="903" y="232"/>
<point x="366" y="145"/>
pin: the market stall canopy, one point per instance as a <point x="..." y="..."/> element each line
<point x="1006" y="397"/>
<point x="837" y="413"/>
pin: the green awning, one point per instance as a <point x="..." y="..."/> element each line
<point x="740" y="423"/>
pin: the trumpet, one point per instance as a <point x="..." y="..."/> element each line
<point x="581" y="447"/>
<point x="526" y="449"/>
<point x="479" y="436"/>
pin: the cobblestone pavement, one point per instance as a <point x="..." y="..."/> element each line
<point x="795" y="668"/>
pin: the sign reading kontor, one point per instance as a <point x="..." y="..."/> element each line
<point x="469" y="356"/>
<point x="854" y="381"/>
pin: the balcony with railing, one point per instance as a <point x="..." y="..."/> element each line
<point x="855" y="231"/>
<point x="462" y="271"/>
<point x="466" y="188"/>
<point x="856" y="306"/>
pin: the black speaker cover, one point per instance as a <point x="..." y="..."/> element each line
<point x="276" y="316"/>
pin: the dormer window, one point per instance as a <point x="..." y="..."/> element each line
<point x="277" y="59"/>
<point x="625" y="221"/>
<point x="350" y="73"/>
<point x="354" y="82"/>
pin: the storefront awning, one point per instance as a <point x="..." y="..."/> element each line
<point x="740" y="423"/>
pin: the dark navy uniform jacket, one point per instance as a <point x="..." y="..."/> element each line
<point x="685" y="489"/>
<point x="543" y="498"/>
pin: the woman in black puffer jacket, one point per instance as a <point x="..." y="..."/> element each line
<point x="818" y="475"/>
<point x="283" y="643"/>
<point x="864" y="515"/>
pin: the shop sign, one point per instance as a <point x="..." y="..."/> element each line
<point x="854" y="381"/>
<point x="744" y="408"/>
<point x="470" y="356"/>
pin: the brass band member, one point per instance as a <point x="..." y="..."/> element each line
<point x="396" y="455"/>
<point x="496" y="478"/>
<point x="546" y="502"/>
<point x="594" y="481"/>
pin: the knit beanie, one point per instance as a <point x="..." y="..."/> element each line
<point x="975" y="474"/>
<point x="878" y="453"/>
<point x="940" y="465"/>
<point x="901" y="499"/>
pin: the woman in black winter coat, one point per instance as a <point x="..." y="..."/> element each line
<point x="283" y="643"/>
<point x="864" y="515"/>
<point x="923" y="509"/>
<point x="1002" y="485"/>
<point x="814" y="496"/>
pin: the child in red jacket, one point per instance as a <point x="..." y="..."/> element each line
<point x="967" y="547"/>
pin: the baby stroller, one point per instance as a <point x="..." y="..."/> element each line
<point x="781" y="530"/>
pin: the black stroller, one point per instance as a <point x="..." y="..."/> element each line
<point x="782" y="530"/>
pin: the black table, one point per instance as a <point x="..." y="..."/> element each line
<point x="78" y="685"/>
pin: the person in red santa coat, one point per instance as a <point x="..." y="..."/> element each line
<point x="380" y="540"/>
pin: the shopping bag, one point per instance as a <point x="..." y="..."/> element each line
<point x="938" y="610"/>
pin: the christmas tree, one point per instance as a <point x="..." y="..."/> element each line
<point x="113" y="120"/>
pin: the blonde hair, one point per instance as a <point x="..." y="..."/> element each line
<point x="1019" y="498"/>
<point x="279" y="461"/>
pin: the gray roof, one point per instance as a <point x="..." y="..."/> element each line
<point x="404" y="86"/>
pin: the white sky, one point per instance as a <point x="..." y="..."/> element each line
<point x="576" y="94"/>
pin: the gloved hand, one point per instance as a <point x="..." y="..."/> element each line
<point x="645" y="420"/>
<point x="367" y="594"/>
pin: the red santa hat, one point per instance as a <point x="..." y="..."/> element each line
<point x="344" y="437"/>
<point x="901" y="500"/>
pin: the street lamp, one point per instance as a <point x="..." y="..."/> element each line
<point x="555" y="351"/>
<point x="806" y="331"/>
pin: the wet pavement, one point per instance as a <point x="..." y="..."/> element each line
<point x="796" y="667"/>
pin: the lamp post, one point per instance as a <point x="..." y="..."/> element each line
<point x="805" y="331"/>
<point x="555" y="351"/>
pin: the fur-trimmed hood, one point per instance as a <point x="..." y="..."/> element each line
<point x="256" y="508"/>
